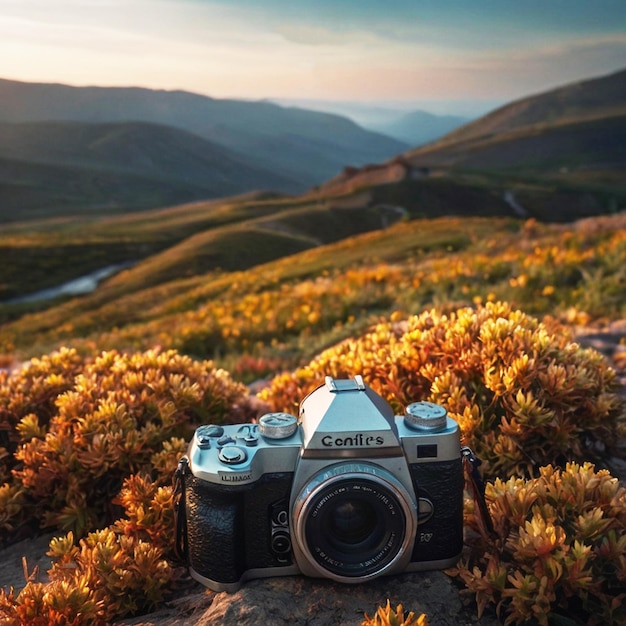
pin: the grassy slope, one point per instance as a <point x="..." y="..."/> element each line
<point x="539" y="148"/>
<point x="134" y="295"/>
<point x="290" y="308"/>
<point x="253" y="228"/>
<point x="49" y="252"/>
<point x="595" y="98"/>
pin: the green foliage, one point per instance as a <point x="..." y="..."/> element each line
<point x="524" y="395"/>
<point x="559" y="548"/>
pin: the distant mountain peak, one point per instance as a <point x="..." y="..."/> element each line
<point x="593" y="96"/>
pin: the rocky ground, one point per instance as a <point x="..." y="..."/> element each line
<point x="303" y="601"/>
<point x="610" y="340"/>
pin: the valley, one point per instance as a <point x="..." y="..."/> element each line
<point x="483" y="198"/>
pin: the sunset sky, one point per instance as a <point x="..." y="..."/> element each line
<point x="469" y="52"/>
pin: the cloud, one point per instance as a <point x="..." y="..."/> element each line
<point x="518" y="72"/>
<point x="315" y="34"/>
<point x="330" y="50"/>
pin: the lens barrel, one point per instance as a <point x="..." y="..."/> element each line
<point x="354" y="522"/>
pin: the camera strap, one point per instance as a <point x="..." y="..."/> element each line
<point x="180" y="510"/>
<point x="477" y="488"/>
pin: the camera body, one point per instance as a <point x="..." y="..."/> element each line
<point x="348" y="492"/>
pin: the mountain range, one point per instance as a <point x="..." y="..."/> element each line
<point x="414" y="125"/>
<point x="75" y="150"/>
<point x="419" y="127"/>
<point x="137" y="143"/>
<point x="49" y="168"/>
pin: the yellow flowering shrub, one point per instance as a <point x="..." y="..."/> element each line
<point x="91" y="445"/>
<point x="523" y="393"/>
<point x="82" y="426"/>
<point x="116" y="571"/>
<point x="559" y="548"/>
<point x="386" y="616"/>
<point x="96" y="443"/>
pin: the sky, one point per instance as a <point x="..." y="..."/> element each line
<point x="446" y="56"/>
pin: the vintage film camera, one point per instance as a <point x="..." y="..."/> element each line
<point x="348" y="492"/>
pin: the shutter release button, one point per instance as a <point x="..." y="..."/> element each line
<point x="231" y="455"/>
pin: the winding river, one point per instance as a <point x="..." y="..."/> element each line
<point x="75" y="287"/>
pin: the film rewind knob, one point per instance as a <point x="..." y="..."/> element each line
<point x="425" y="416"/>
<point x="277" y="425"/>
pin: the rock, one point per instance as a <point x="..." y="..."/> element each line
<point x="609" y="340"/>
<point x="298" y="600"/>
<point x="24" y="559"/>
<point x="277" y="601"/>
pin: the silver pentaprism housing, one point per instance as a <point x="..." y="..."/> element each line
<point x="347" y="491"/>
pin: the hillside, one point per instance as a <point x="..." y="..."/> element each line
<point x="51" y="168"/>
<point x="557" y="172"/>
<point x="595" y="98"/>
<point x="579" y="128"/>
<point x="579" y="146"/>
<point x="289" y="308"/>
<point x="298" y="145"/>
<point x="239" y="232"/>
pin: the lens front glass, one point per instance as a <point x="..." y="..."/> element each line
<point x="354" y="527"/>
<point x="350" y="523"/>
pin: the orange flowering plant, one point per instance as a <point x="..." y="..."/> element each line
<point x="83" y="426"/>
<point x="559" y="548"/>
<point x="386" y="616"/>
<point x="524" y="394"/>
<point x="96" y="442"/>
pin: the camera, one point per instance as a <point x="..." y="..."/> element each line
<point x="349" y="491"/>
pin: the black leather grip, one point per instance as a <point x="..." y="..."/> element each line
<point x="441" y="537"/>
<point x="215" y="530"/>
<point x="229" y="527"/>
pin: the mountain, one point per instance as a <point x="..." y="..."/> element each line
<point x="420" y="127"/>
<point x="596" y="97"/>
<point x="64" y="167"/>
<point x="302" y="147"/>
<point x="576" y="128"/>
<point x="559" y="155"/>
<point x="409" y="125"/>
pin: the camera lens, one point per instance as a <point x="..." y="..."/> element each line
<point x="351" y="522"/>
<point x="355" y="525"/>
